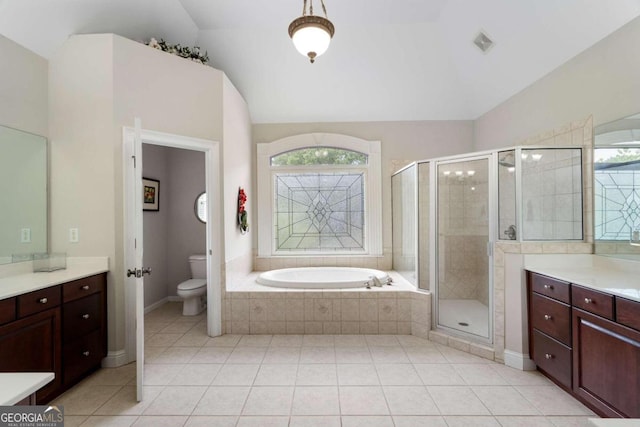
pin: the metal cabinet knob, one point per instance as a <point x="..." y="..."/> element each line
<point x="43" y="300"/>
<point x="548" y="356"/>
<point x="588" y="300"/>
<point x="548" y="286"/>
<point x="85" y="316"/>
<point x="547" y="317"/>
<point x="85" y="353"/>
<point x="85" y="288"/>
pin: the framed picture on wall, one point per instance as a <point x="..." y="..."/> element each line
<point x="151" y="194"/>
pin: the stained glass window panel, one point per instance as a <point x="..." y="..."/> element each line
<point x="319" y="212"/>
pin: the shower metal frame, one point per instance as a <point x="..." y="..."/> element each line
<point x="491" y="159"/>
<point x="494" y="236"/>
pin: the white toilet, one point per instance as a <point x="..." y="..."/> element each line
<point x="194" y="290"/>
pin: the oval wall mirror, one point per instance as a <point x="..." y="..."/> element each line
<point x="201" y="207"/>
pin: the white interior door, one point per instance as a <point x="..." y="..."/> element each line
<point x="133" y="235"/>
<point x="138" y="251"/>
<point x="134" y="281"/>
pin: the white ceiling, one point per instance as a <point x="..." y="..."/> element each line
<point x="389" y="59"/>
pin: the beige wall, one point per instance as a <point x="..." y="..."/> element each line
<point x="601" y="81"/>
<point x="238" y="172"/>
<point x="98" y="84"/>
<point x="23" y="89"/>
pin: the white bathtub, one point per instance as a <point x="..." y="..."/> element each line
<point x="320" y="277"/>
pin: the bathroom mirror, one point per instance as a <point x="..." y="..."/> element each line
<point x="617" y="186"/>
<point x="201" y="207"/>
<point x="23" y="191"/>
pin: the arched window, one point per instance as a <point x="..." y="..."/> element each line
<point x="319" y="194"/>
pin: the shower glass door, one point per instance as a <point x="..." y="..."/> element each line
<point x="464" y="300"/>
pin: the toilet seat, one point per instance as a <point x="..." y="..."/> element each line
<point x="191" y="284"/>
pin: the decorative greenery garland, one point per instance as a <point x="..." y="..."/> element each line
<point x="192" y="54"/>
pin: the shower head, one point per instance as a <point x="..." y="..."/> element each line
<point x="507" y="160"/>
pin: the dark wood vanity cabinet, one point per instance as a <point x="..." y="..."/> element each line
<point x="60" y="329"/>
<point x="600" y="363"/>
<point x="84" y="327"/>
<point x="33" y="344"/>
<point x="607" y="365"/>
<point x="550" y="327"/>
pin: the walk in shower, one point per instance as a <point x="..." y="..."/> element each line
<point x="449" y="212"/>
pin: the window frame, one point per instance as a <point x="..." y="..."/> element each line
<point x="372" y="189"/>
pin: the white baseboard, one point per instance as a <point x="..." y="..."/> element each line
<point x="518" y="361"/>
<point x="115" y="359"/>
<point x="155" y="305"/>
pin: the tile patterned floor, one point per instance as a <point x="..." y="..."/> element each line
<point x="312" y="381"/>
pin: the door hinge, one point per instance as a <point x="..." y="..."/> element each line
<point x="134" y="161"/>
<point x="135" y="243"/>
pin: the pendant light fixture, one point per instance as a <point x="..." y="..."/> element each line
<point x="311" y="34"/>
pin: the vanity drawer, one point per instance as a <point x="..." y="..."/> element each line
<point x="80" y="317"/>
<point x="37" y="301"/>
<point x="82" y="287"/>
<point x="552" y="357"/>
<point x="551" y="317"/>
<point x="628" y="313"/>
<point x="553" y="288"/>
<point x="7" y="310"/>
<point x="592" y="301"/>
<point x="81" y="355"/>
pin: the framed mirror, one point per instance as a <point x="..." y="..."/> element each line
<point x="201" y="207"/>
<point x="23" y="191"/>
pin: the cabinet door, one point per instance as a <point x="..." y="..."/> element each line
<point x="606" y="365"/>
<point x="32" y="344"/>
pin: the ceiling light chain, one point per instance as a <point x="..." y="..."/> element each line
<point x="311" y="34"/>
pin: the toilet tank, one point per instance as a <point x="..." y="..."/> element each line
<point x="198" y="265"/>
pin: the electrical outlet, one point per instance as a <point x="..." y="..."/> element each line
<point x="25" y="235"/>
<point x="73" y="235"/>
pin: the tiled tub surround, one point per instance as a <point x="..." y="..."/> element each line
<point x="250" y="308"/>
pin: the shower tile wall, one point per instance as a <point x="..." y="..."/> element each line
<point x="464" y="268"/>
<point x="423" y="228"/>
<point x="552" y="195"/>
<point x="578" y="134"/>
<point x="462" y="257"/>
<point x="506" y="193"/>
<point x="404" y="223"/>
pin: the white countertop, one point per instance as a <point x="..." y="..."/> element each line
<point x="615" y="276"/>
<point x="15" y="386"/>
<point x="614" y="422"/>
<point x="21" y="282"/>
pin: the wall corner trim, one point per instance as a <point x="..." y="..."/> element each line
<point x="115" y="359"/>
<point x="518" y="361"/>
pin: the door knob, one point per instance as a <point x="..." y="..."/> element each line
<point x="135" y="272"/>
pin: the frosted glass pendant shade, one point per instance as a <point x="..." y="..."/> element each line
<point x="311" y="35"/>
